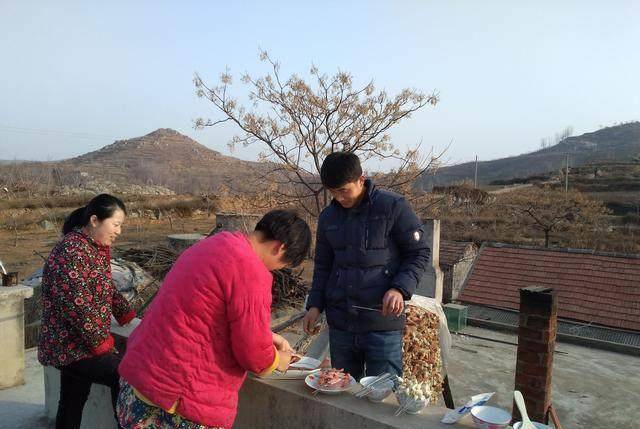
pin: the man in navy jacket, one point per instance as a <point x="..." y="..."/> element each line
<point x="370" y="252"/>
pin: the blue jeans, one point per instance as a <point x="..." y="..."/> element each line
<point x="372" y="353"/>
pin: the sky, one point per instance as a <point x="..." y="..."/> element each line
<point x="75" y="76"/>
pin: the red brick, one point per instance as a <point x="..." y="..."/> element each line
<point x="534" y="309"/>
<point x="549" y="336"/>
<point x="536" y="335"/>
<point x="537" y="322"/>
<point x="534" y="346"/>
<point x="546" y="360"/>
<point x="534" y="382"/>
<point x="530" y="394"/>
<point x="533" y="371"/>
<point x="527" y="356"/>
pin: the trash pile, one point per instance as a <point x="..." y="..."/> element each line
<point x="289" y="289"/>
<point x="157" y="260"/>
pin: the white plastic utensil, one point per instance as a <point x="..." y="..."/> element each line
<point x="526" y="422"/>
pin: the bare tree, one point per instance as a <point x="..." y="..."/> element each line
<point x="300" y="123"/>
<point x="546" y="142"/>
<point x="550" y="210"/>
<point x="564" y="134"/>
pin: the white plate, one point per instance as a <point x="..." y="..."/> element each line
<point x="312" y="381"/>
<point x="306" y="363"/>
<point x="298" y="370"/>
<point x="291" y="374"/>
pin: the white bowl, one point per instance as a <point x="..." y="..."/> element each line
<point x="412" y="406"/>
<point x="486" y="417"/>
<point x="379" y="391"/>
<point x="518" y="425"/>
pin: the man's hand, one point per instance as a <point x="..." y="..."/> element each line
<point x="392" y="303"/>
<point x="281" y="344"/>
<point x="285" y="360"/>
<point x="310" y="320"/>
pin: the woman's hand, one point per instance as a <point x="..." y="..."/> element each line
<point x="281" y="344"/>
<point x="285" y="360"/>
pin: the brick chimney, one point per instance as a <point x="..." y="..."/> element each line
<point x="536" y="344"/>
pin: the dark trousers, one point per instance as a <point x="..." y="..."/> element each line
<point x="75" y="384"/>
<point x="371" y="353"/>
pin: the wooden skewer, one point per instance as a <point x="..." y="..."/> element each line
<point x="551" y="412"/>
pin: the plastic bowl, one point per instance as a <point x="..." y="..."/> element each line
<point x="379" y="391"/>
<point x="518" y="425"/>
<point x="412" y="406"/>
<point x="486" y="417"/>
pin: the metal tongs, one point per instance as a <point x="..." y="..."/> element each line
<point x="379" y="310"/>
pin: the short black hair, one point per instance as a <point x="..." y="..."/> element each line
<point x="340" y="168"/>
<point x="103" y="206"/>
<point x="289" y="229"/>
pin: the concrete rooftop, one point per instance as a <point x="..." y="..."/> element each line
<point x="591" y="388"/>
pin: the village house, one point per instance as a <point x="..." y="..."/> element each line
<point x="456" y="259"/>
<point x="598" y="293"/>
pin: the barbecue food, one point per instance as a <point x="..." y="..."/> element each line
<point x="421" y="361"/>
<point x="333" y="379"/>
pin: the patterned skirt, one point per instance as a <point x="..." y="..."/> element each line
<point x="133" y="413"/>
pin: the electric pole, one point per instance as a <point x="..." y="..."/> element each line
<point x="475" y="180"/>
<point x="566" y="177"/>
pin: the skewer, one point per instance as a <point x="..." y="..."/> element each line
<point x="402" y="409"/>
<point x="369" y="388"/>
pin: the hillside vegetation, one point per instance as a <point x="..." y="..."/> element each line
<point x="619" y="143"/>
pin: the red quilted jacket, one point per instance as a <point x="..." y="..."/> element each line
<point x="208" y="326"/>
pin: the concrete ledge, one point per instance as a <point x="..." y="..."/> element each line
<point x="564" y="338"/>
<point x="12" y="334"/>
<point x="277" y="404"/>
<point x="97" y="413"/>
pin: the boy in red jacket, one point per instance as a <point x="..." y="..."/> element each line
<point x="208" y="326"/>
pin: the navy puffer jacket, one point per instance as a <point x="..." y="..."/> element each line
<point x="363" y="252"/>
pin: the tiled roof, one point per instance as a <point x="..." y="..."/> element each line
<point x="592" y="287"/>
<point x="452" y="252"/>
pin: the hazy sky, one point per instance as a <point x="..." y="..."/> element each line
<point x="75" y="76"/>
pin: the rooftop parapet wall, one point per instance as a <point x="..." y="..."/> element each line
<point x="12" y="334"/>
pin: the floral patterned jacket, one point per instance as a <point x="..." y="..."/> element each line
<point x="78" y="299"/>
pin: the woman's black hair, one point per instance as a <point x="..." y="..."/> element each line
<point x="289" y="229"/>
<point x="102" y="206"/>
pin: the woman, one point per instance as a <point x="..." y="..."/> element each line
<point x="78" y="299"/>
<point x="208" y="326"/>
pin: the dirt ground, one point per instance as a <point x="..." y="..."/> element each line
<point x="24" y="251"/>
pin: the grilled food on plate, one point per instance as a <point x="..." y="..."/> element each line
<point x="333" y="379"/>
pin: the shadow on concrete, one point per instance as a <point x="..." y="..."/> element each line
<point x="20" y="415"/>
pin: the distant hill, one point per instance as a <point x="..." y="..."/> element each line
<point x="164" y="157"/>
<point x="161" y="159"/>
<point x="617" y="143"/>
